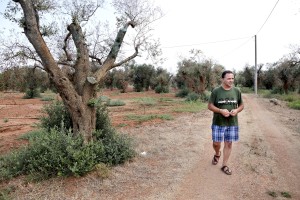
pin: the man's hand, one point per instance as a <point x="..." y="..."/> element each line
<point x="233" y="112"/>
<point x="225" y="112"/>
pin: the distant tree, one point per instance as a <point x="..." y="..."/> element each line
<point x="141" y="76"/>
<point x="248" y="75"/>
<point x="86" y="53"/>
<point x="196" y="73"/>
<point x="160" y="82"/>
<point x="270" y="78"/>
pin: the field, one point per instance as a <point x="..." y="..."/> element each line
<point x="174" y="146"/>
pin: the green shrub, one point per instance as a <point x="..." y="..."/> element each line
<point x="246" y="90"/>
<point x="277" y="90"/>
<point x="32" y="93"/>
<point x="54" y="151"/>
<point x="294" y="105"/>
<point x="53" y="154"/>
<point x="115" y="103"/>
<point x="182" y="93"/>
<point x="56" y="116"/>
<point x="191" y="106"/>
<point x="57" y="153"/>
<point x="143" y="118"/>
<point x="161" y="89"/>
<point x="205" y="96"/>
<point x="117" y="147"/>
<point x="192" y="97"/>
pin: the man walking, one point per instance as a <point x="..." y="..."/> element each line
<point x="225" y="102"/>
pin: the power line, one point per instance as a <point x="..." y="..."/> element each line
<point x="203" y="43"/>
<point x="268" y="17"/>
<point x="238" y="47"/>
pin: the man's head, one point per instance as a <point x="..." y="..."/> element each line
<point x="226" y="72"/>
<point x="227" y="79"/>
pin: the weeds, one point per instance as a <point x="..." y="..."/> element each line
<point x="5" y="192"/>
<point x="191" y="106"/>
<point x="143" y="118"/>
<point x="294" y="105"/>
<point x="283" y="194"/>
<point x="286" y="194"/>
<point x="115" y="103"/>
<point x="272" y="194"/>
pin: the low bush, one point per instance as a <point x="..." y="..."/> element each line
<point x="161" y="89"/>
<point x="55" y="115"/>
<point x="294" y="105"/>
<point x="115" y="103"/>
<point x="54" y="153"/>
<point x="182" y="92"/>
<point x="53" y="150"/>
<point x="192" y="97"/>
<point x="32" y="93"/>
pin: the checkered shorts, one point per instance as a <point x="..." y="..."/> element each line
<point x="225" y="133"/>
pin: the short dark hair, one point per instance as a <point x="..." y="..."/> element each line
<point x="226" y="72"/>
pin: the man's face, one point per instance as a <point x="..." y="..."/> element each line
<point x="228" y="80"/>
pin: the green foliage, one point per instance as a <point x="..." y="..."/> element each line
<point x="246" y="90"/>
<point x="277" y="90"/>
<point x="52" y="154"/>
<point x="102" y="170"/>
<point x="56" y="116"/>
<point x="286" y="194"/>
<point x="272" y="194"/>
<point x="146" y="101"/>
<point x="191" y="106"/>
<point x="92" y="102"/>
<point x="293" y="99"/>
<point x="117" y="147"/>
<point x="205" y="96"/>
<point x="48" y="95"/>
<point x="192" y="97"/>
<point x="143" y="118"/>
<point x="32" y="93"/>
<point x="141" y="76"/>
<point x="5" y="192"/>
<point x="54" y="151"/>
<point x="183" y="92"/>
<point x="115" y="103"/>
<point x="161" y="89"/>
<point x="58" y="153"/>
<point x="294" y="104"/>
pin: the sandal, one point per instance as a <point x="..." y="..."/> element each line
<point x="215" y="159"/>
<point x="226" y="170"/>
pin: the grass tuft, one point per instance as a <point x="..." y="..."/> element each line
<point x="143" y="118"/>
<point x="191" y="106"/>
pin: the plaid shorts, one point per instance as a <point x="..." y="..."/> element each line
<point x="225" y="133"/>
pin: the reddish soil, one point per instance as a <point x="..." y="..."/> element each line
<point x="175" y="159"/>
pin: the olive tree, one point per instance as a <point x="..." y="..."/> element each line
<point x="78" y="53"/>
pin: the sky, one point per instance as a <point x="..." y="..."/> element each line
<point x="224" y="30"/>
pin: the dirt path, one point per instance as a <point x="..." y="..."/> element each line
<point x="177" y="162"/>
<point x="264" y="160"/>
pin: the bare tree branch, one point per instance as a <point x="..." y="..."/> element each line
<point x="69" y="58"/>
<point x="127" y="59"/>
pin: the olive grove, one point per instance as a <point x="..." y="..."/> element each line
<point x="68" y="41"/>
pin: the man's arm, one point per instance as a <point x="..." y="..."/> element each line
<point x="215" y="109"/>
<point x="234" y="112"/>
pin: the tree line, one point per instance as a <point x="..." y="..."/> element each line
<point x="196" y="76"/>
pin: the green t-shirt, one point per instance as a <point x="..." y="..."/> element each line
<point x="225" y="99"/>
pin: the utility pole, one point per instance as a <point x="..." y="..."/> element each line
<point x="255" y="73"/>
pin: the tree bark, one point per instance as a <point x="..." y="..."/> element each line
<point x="76" y="94"/>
